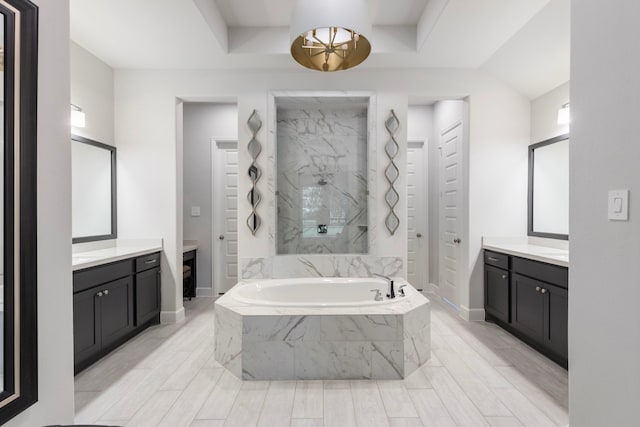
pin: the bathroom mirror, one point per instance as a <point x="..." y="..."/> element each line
<point x="549" y="188"/>
<point x="93" y="178"/>
<point x="322" y="175"/>
<point x="18" y="262"/>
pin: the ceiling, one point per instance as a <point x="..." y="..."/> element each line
<point x="525" y="43"/>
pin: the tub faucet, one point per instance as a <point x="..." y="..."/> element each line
<point x="391" y="294"/>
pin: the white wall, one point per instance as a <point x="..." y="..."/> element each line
<point x="92" y="90"/>
<point x="202" y="123"/>
<point x="55" y="309"/>
<point x="544" y="114"/>
<point x="604" y="320"/>
<point x="146" y="134"/>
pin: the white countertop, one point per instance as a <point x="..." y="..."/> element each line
<point x="115" y="251"/>
<point x="189" y="245"/>
<point x="537" y="249"/>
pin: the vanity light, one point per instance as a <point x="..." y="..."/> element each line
<point x="564" y="116"/>
<point x="77" y="117"/>
<point x="330" y="35"/>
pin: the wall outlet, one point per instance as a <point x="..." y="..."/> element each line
<point x="618" y="205"/>
<point x="195" y="210"/>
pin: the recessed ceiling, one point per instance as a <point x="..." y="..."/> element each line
<point x="237" y="34"/>
<point x="276" y="13"/>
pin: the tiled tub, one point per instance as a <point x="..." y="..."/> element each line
<point x="322" y="328"/>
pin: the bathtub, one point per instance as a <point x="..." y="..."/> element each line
<point x="321" y="328"/>
<point x="318" y="292"/>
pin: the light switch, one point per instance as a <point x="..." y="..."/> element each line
<point x="195" y="210"/>
<point x="619" y="205"/>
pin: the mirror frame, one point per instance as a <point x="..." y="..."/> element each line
<point x="20" y="210"/>
<point x="530" y="190"/>
<point x="114" y="193"/>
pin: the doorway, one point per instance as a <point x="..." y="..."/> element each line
<point x="417" y="220"/>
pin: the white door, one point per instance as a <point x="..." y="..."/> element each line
<point x="417" y="221"/>
<point x="450" y="212"/>
<point x="224" y="206"/>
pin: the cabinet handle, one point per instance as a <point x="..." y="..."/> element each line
<point x="150" y="261"/>
<point x="99" y="294"/>
<point x="538" y="288"/>
<point x="490" y="258"/>
<point x="106" y="291"/>
<point x="543" y="290"/>
<point x="504" y="276"/>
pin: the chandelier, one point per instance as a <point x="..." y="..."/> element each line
<point x="330" y="35"/>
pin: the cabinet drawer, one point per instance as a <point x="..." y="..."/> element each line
<point x="146" y="262"/>
<point x="85" y="279"/>
<point x="496" y="259"/>
<point x="542" y="271"/>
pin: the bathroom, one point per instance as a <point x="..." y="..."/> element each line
<point x="169" y="124"/>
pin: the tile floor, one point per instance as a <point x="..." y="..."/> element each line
<point x="478" y="375"/>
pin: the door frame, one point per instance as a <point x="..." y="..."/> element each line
<point x="423" y="144"/>
<point x="217" y="220"/>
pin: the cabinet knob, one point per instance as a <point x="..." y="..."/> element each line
<point x="99" y="294"/>
<point x="221" y="237"/>
<point x="504" y="276"/>
<point x="543" y="290"/>
<point x="419" y="235"/>
<point x="106" y="292"/>
<point x="457" y="240"/>
<point x="538" y="288"/>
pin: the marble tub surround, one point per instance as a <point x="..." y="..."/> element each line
<point x="285" y="266"/>
<point x="551" y="251"/>
<point x="91" y="254"/>
<point x="322" y="177"/>
<point x="287" y="343"/>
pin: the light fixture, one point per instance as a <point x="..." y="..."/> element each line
<point x="77" y="117"/>
<point x="564" y="116"/>
<point x="330" y="35"/>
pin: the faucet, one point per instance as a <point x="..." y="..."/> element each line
<point x="391" y="293"/>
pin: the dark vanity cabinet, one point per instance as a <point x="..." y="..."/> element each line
<point x="111" y="303"/>
<point x="496" y="286"/>
<point x="147" y="288"/>
<point x="529" y="299"/>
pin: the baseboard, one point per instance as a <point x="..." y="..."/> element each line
<point x="472" y="314"/>
<point x="169" y="317"/>
<point x="468" y="314"/>
<point x="204" y="292"/>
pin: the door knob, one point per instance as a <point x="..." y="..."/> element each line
<point x="221" y="237"/>
<point x="457" y="240"/>
<point x="419" y="235"/>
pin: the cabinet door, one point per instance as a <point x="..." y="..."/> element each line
<point x="116" y="307"/>
<point x="147" y="295"/>
<point x="556" y="318"/>
<point x="496" y="292"/>
<point x="86" y="325"/>
<point x="528" y="306"/>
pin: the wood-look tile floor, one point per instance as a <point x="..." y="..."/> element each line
<point x="478" y="375"/>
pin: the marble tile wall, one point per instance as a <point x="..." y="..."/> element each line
<point x="322" y="179"/>
<point x="319" y="266"/>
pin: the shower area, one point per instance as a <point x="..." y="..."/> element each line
<point x="322" y="175"/>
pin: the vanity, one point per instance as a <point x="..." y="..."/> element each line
<point x="526" y="279"/>
<point x="526" y="292"/>
<point x="116" y="295"/>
